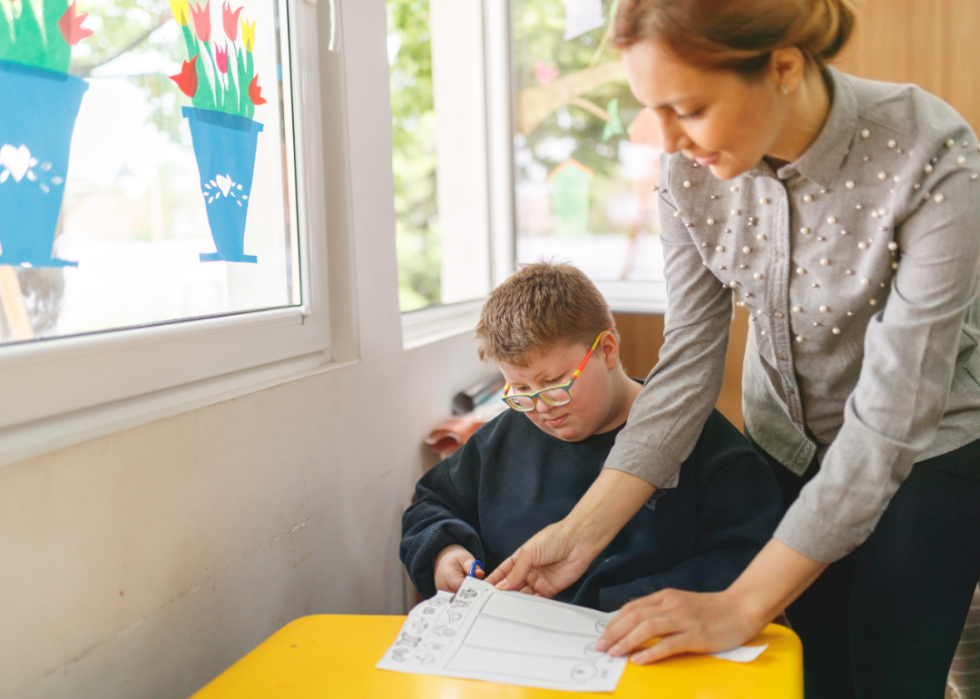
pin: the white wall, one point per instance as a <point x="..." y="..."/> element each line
<point x="143" y="563"/>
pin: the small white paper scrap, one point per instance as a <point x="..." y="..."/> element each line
<point x="582" y="16"/>
<point x="481" y="633"/>
<point x="742" y="654"/>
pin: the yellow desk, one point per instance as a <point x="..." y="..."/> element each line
<point x="333" y="657"/>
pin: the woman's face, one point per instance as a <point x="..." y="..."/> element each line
<point x="715" y="118"/>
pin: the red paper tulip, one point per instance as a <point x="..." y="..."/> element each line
<point x="71" y="26"/>
<point x="230" y="20"/>
<point x="255" y="92"/>
<point x="221" y="58"/>
<point x="202" y="21"/>
<point x="187" y="78"/>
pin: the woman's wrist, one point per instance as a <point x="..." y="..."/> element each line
<point x="772" y="581"/>
<point x="606" y="507"/>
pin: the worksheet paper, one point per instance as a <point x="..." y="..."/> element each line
<point x="481" y="633"/>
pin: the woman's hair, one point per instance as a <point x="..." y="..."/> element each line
<point x="539" y="307"/>
<point x="737" y="35"/>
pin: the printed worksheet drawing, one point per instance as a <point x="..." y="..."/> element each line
<point x="483" y="634"/>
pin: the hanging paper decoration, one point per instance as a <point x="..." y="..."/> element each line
<point x="613" y="127"/>
<point x="37" y="120"/>
<point x="582" y="16"/>
<point x="546" y="73"/>
<point x="570" y="185"/>
<point x="224" y="135"/>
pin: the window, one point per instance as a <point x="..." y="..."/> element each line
<point x="154" y="230"/>
<point x="436" y="50"/>
<point x="586" y="154"/>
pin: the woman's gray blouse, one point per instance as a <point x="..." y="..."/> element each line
<point x="858" y="263"/>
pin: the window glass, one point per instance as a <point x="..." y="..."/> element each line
<point x="436" y="54"/>
<point x="413" y="125"/>
<point x="586" y="154"/>
<point x="145" y="164"/>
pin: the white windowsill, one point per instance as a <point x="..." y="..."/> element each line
<point x="439" y="322"/>
<point x="42" y="436"/>
<point x="646" y="297"/>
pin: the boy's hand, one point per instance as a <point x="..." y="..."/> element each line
<point x="453" y="565"/>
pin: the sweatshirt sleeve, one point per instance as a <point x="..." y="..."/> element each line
<point x="682" y="388"/>
<point x="445" y="512"/>
<point x="739" y="508"/>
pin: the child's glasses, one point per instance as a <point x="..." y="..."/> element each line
<point x="555" y="396"/>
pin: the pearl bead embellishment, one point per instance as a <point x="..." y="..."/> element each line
<point x="836" y="331"/>
<point x="720" y="248"/>
<point x="757" y="275"/>
<point x="939" y="199"/>
<point x="882" y="175"/>
<point x="746" y="249"/>
<point x="849" y="184"/>
<point x="734" y="188"/>
<point x="808" y="198"/>
<point x="824" y="261"/>
<point x="711" y="222"/>
<point x="687" y="183"/>
<point x="865" y="133"/>
<point x="805" y="230"/>
<point x="893" y="246"/>
<point x="891" y="143"/>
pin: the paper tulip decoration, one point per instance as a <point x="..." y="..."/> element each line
<point x="38" y="108"/>
<point x="223" y="87"/>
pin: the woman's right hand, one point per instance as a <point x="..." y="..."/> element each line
<point x="546" y="564"/>
<point x="558" y="555"/>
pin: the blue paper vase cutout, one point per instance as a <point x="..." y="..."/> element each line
<point x="224" y="146"/>
<point x="37" y="120"/>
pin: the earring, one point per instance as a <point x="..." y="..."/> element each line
<point x="784" y="88"/>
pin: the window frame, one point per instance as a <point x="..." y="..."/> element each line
<point x="69" y="388"/>
<point x="439" y="321"/>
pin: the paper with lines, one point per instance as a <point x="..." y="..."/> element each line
<point x="483" y="634"/>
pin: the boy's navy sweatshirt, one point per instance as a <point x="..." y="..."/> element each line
<point x="510" y="480"/>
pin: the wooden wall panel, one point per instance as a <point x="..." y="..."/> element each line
<point x="932" y="43"/>
<point x="643" y="335"/>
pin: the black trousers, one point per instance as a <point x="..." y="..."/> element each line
<point x="883" y="622"/>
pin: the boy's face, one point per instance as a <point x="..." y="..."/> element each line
<point x="592" y="407"/>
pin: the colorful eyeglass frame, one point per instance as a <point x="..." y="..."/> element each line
<point x="554" y="396"/>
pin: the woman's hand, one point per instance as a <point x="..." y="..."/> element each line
<point x="691" y="622"/>
<point x="545" y="565"/>
<point x="687" y="622"/>
<point x="558" y="555"/>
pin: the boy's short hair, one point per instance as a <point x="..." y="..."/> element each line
<point x="541" y="306"/>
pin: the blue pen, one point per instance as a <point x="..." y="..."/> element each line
<point x="473" y="568"/>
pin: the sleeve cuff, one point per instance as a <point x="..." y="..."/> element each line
<point x="816" y="538"/>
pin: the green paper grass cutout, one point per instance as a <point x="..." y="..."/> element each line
<point x="219" y="78"/>
<point x="40" y="37"/>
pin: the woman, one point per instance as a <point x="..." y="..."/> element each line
<point x="844" y="214"/>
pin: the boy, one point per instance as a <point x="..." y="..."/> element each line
<point x="521" y="472"/>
